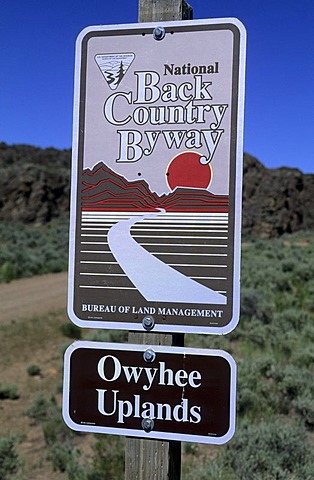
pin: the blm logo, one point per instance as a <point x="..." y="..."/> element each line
<point x="114" y="66"/>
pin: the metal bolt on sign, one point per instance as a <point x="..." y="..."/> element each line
<point x="159" y="33"/>
<point x="147" y="424"/>
<point x="148" y="322"/>
<point x="149" y="355"/>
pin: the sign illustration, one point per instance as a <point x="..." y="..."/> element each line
<point x="182" y="394"/>
<point x="156" y="182"/>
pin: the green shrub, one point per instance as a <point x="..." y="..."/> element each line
<point x="8" y="392"/>
<point x="9" y="459"/>
<point x="268" y="451"/>
<point x="71" y="330"/>
<point x="58" y="437"/>
<point x="60" y="455"/>
<point x="38" y="410"/>
<point x="257" y="396"/>
<point x="33" y="370"/>
<point x="292" y="381"/>
<point x="7" y="272"/>
<point x="207" y="470"/>
<point x="305" y="408"/>
<point x="291" y="319"/>
<point x="303" y="356"/>
<point x="254" y="306"/>
<point x="308" y="300"/>
<point x="108" y="461"/>
<point x="28" y="250"/>
<point x="66" y="459"/>
<point x="108" y="336"/>
<point x="257" y="333"/>
<point x="54" y="428"/>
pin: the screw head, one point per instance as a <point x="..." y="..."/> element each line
<point x="149" y="355"/>
<point x="147" y="424"/>
<point x="148" y="322"/>
<point x="159" y="33"/>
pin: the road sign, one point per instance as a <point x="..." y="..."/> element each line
<point x="152" y="392"/>
<point x="156" y="182"/>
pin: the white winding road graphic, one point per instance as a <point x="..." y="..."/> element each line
<point x="155" y="280"/>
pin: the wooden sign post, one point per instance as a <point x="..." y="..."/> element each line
<point x="146" y="459"/>
<point x="164" y="10"/>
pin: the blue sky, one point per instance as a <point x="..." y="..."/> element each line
<point x="37" y="65"/>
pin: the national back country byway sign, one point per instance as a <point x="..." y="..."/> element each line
<point x="157" y="176"/>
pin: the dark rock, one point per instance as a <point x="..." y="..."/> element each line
<point x="34" y="183"/>
<point x="276" y="201"/>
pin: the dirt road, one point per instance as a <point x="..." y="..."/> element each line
<point x="28" y="297"/>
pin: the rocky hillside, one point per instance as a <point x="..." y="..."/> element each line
<point x="34" y="183"/>
<point x="276" y="201"/>
<point x="35" y="188"/>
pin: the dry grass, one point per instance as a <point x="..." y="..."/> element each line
<point x="24" y="342"/>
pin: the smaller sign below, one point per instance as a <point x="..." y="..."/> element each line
<point x="150" y="392"/>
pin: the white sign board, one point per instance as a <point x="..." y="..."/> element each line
<point x="157" y="176"/>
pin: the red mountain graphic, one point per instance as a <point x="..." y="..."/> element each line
<point x="105" y="190"/>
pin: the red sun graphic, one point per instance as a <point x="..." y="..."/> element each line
<point x="186" y="170"/>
